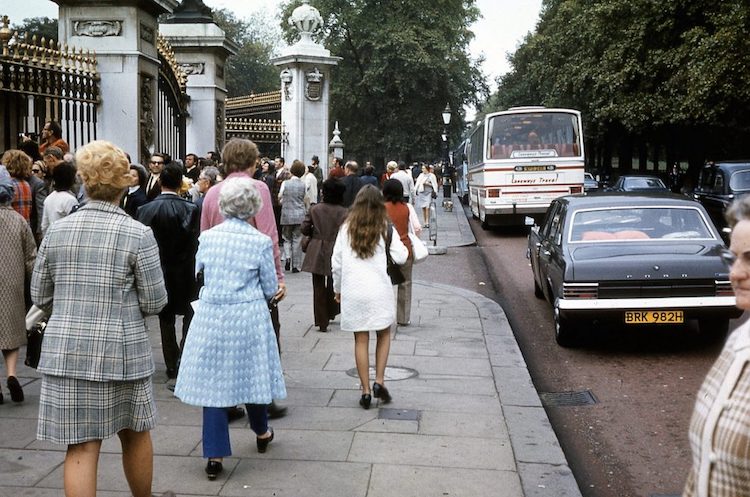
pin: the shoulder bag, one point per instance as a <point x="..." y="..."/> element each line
<point x="418" y="248"/>
<point x="394" y="271"/>
<point x="36" y="321"/>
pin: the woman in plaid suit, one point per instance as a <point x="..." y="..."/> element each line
<point x="98" y="273"/>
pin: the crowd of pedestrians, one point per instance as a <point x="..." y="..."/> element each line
<point x="98" y="242"/>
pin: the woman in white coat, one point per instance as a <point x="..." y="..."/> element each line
<point x="426" y="189"/>
<point x="363" y="287"/>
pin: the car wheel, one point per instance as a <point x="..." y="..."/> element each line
<point x="713" y="327"/>
<point x="565" y="333"/>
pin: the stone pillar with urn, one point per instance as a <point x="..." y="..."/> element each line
<point x="304" y="69"/>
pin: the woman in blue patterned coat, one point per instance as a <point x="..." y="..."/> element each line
<point x="231" y="356"/>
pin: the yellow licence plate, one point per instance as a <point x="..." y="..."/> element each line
<point x="654" y="317"/>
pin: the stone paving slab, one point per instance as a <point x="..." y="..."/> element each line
<point x="466" y="420"/>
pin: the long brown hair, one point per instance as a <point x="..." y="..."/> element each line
<point x="367" y="221"/>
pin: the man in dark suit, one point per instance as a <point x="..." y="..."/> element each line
<point x="192" y="169"/>
<point x="156" y="166"/>
<point x="352" y="182"/>
<point x="176" y="225"/>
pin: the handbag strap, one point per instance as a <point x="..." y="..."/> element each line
<point x="388" y="235"/>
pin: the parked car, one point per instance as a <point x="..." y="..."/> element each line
<point x="719" y="183"/>
<point x="631" y="183"/>
<point x="590" y="184"/>
<point x="630" y="258"/>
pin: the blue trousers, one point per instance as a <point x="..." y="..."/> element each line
<point x="216" y="428"/>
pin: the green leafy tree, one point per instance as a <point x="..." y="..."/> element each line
<point x="250" y="70"/>
<point x="42" y="27"/>
<point x="402" y="61"/>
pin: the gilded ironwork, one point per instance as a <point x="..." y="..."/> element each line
<point x="41" y="80"/>
<point x="171" y="109"/>
<point x="257" y="130"/>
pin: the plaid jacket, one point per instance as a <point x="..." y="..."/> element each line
<point x="720" y="427"/>
<point x="98" y="272"/>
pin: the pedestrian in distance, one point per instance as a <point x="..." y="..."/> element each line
<point x="135" y="196"/>
<point x="62" y="201"/>
<point x="363" y="288"/>
<point x="426" y="190"/>
<point x="322" y="225"/>
<point x="98" y="274"/>
<point x="17" y="251"/>
<point x="351" y="181"/>
<point x="368" y="176"/>
<point x="292" y="199"/>
<point x="175" y="222"/>
<point x="403" y="217"/>
<point x="407" y="182"/>
<point x="719" y="432"/>
<point x="231" y="355"/>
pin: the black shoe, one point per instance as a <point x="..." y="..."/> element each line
<point x="275" y="411"/>
<point x="171" y="373"/>
<point x="380" y="392"/>
<point x="213" y="468"/>
<point x="365" y="400"/>
<point x="1" y="397"/>
<point x="235" y="413"/>
<point x="288" y="265"/>
<point x="16" y="392"/>
<point x="262" y="443"/>
<point x="295" y="270"/>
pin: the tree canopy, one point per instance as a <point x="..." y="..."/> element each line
<point x="250" y="70"/>
<point x="402" y="61"/>
<point x="672" y="73"/>
<point x="42" y="27"/>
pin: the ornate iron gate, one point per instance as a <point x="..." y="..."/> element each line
<point x="42" y="81"/>
<point x="171" y="104"/>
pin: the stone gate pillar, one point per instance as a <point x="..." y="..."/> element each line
<point x="305" y="89"/>
<point x="123" y="35"/>
<point x="201" y="49"/>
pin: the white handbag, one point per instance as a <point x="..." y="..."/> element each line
<point x="418" y="248"/>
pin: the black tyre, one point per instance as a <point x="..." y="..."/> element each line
<point x="565" y="333"/>
<point x="538" y="293"/>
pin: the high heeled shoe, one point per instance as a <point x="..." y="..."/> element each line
<point x="16" y="392"/>
<point x="262" y="443"/>
<point x="213" y="468"/>
<point x="382" y="393"/>
<point x="365" y="400"/>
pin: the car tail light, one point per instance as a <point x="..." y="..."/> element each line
<point x="493" y="193"/>
<point x="576" y="189"/>
<point x="724" y="289"/>
<point x="580" y="290"/>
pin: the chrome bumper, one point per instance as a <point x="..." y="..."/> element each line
<point x="684" y="303"/>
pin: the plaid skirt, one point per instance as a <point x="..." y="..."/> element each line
<point x="74" y="411"/>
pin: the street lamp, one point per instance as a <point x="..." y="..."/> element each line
<point x="447" y="186"/>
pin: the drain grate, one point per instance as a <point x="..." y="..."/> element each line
<point x="562" y="399"/>
<point x="399" y="414"/>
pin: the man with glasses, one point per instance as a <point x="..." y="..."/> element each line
<point x="156" y="166"/>
<point x="52" y="137"/>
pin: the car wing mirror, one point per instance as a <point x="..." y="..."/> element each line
<point x="529" y="221"/>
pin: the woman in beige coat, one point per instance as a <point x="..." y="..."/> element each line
<point x="17" y="253"/>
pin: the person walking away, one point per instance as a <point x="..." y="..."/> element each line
<point x="390" y="168"/>
<point x="351" y="181"/>
<point x="318" y="173"/>
<point x="292" y="200"/>
<point x="240" y="159"/>
<point x="322" y="224"/>
<point x="98" y="274"/>
<point x="363" y="288"/>
<point x="407" y="182"/>
<point x="312" y="191"/>
<point x="62" y="201"/>
<point x="17" y="253"/>
<point x="426" y="189"/>
<point x="176" y="225"/>
<point x="402" y="215"/>
<point x="281" y="174"/>
<point x="368" y="178"/>
<point x="239" y="278"/>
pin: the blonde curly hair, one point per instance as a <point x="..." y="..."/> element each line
<point x="104" y="170"/>
<point x="17" y="163"/>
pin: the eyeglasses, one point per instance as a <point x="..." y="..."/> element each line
<point x="36" y="171"/>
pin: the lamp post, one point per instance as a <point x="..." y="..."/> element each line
<point x="447" y="186"/>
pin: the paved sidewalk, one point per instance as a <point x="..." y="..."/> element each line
<point x="465" y="420"/>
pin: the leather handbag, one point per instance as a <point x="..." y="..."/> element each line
<point x="36" y="321"/>
<point x="304" y="242"/>
<point x="394" y="270"/>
